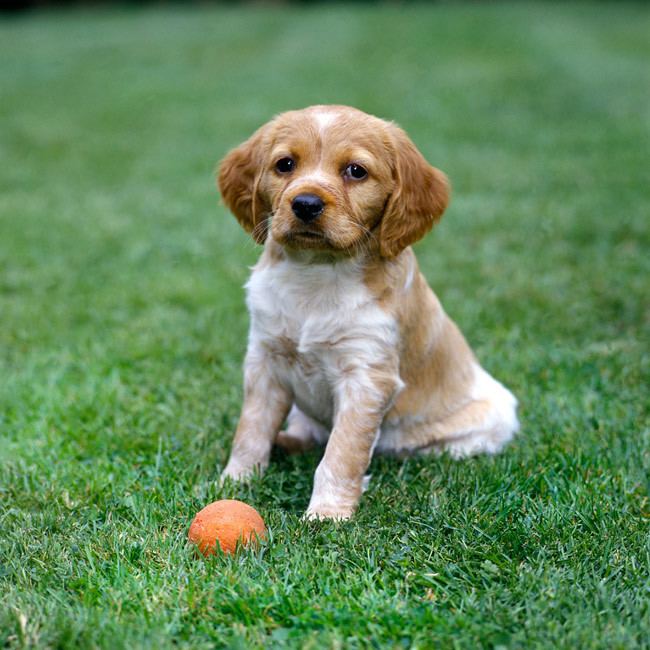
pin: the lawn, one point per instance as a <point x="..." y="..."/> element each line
<point x="123" y="329"/>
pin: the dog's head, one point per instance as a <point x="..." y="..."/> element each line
<point x="333" y="178"/>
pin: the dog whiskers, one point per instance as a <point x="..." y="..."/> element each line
<point x="261" y="228"/>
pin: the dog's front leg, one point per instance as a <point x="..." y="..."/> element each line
<point x="338" y="482"/>
<point x="266" y="404"/>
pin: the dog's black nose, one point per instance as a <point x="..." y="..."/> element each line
<point x="307" y="207"/>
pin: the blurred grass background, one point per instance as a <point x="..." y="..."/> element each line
<point x="123" y="327"/>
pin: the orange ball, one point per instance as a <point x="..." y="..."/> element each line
<point x="226" y="522"/>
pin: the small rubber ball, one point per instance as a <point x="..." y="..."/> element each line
<point x="226" y="523"/>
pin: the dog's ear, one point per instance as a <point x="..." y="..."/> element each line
<point x="420" y="197"/>
<point x="238" y="179"/>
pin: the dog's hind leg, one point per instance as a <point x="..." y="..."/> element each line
<point x="484" y="425"/>
<point x="475" y="429"/>
<point x="302" y="433"/>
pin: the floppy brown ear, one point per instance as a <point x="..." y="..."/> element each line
<point x="238" y="180"/>
<point x="420" y="197"/>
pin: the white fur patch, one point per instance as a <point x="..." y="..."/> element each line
<point x="317" y="177"/>
<point x="324" y="119"/>
<point x="502" y="423"/>
<point x="326" y="313"/>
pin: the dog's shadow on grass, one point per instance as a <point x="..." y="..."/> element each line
<point x="288" y="481"/>
<point x="407" y="486"/>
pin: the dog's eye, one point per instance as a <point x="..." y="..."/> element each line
<point x="285" y="165"/>
<point x="354" y="171"/>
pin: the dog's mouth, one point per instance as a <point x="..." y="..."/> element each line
<point x="306" y="238"/>
<point x="308" y="234"/>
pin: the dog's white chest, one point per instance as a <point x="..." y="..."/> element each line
<point x="317" y="323"/>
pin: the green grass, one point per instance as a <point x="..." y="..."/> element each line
<point x="123" y="329"/>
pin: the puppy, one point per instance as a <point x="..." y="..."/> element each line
<point x="347" y="342"/>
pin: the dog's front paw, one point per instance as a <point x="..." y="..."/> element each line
<point x="328" y="511"/>
<point x="236" y="471"/>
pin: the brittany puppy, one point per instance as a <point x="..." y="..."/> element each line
<point x="347" y="342"/>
